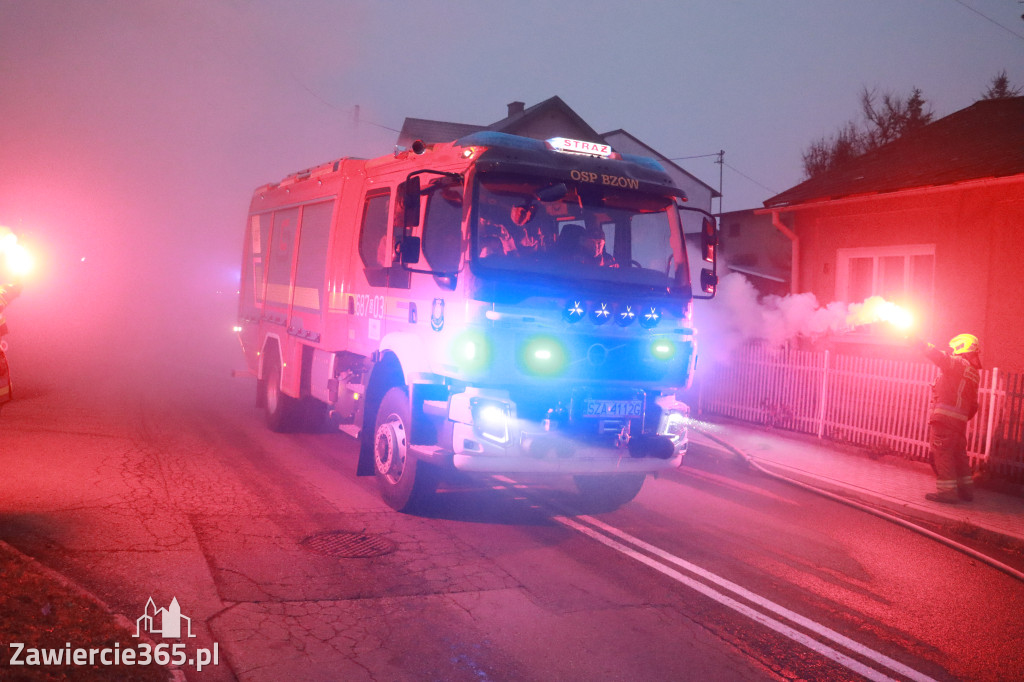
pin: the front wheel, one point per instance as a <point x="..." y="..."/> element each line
<point x="402" y="479"/>
<point x="608" y="492"/>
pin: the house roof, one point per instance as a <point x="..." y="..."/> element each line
<point x="985" y="140"/>
<point x="551" y="106"/>
<point x="432" y="132"/>
<point x="443" y="131"/>
<point x="662" y="159"/>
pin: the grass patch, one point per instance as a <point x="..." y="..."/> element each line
<point x="42" y="613"/>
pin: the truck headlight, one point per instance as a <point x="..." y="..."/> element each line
<point x="491" y="419"/>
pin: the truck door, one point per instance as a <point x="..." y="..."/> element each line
<point x="306" y="316"/>
<point x="251" y="288"/>
<point x="411" y="295"/>
<point x="368" y="303"/>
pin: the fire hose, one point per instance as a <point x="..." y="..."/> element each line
<point x="974" y="554"/>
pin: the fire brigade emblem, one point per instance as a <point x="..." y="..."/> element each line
<point x="437" y="314"/>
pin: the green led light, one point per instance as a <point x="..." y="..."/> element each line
<point x="543" y="356"/>
<point x="663" y="349"/>
<point x="471" y="351"/>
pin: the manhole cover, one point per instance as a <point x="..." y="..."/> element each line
<point x="348" y="545"/>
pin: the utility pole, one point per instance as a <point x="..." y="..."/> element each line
<point x="721" y="165"/>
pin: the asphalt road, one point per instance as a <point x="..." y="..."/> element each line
<point x="162" y="482"/>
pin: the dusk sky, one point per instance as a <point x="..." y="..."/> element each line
<point x="133" y="133"/>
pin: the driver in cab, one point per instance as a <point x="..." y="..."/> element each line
<point x="592" y="246"/>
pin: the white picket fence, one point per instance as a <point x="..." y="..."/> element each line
<point x="876" y="403"/>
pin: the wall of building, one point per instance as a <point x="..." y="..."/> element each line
<point x="978" y="237"/>
<point x="751" y="245"/>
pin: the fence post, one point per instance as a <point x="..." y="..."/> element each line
<point x="822" y="404"/>
<point x="991" y="413"/>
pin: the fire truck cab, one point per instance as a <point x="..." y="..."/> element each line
<point x="496" y="304"/>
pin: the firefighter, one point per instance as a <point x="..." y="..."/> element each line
<point x="592" y="246"/>
<point x="8" y="292"/>
<point x="954" y="403"/>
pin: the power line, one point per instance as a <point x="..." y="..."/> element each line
<point x="741" y="173"/>
<point x="990" y="19"/>
<point x="695" y="156"/>
<point x="721" y="160"/>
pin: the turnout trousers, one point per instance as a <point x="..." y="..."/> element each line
<point x="949" y="457"/>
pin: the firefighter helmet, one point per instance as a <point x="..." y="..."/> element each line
<point x="964" y="343"/>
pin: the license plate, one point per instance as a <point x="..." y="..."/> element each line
<point x="613" y="408"/>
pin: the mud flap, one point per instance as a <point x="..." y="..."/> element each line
<point x="365" y="464"/>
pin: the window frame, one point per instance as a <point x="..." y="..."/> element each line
<point x="876" y="253"/>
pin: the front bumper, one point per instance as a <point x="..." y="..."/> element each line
<point x="524" y="446"/>
<point x="563" y="457"/>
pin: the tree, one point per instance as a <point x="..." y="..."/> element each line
<point x="1000" y="88"/>
<point x="826" y="153"/>
<point x="885" y="119"/>
<point x="893" y="117"/>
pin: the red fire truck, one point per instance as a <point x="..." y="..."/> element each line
<point x="496" y="304"/>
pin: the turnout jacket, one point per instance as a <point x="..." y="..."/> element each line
<point x="955" y="391"/>
<point x="8" y="292"/>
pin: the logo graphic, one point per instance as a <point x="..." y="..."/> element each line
<point x="164" y="622"/>
<point x="437" y="314"/>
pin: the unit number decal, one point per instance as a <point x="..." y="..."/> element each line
<point x="369" y="306"/>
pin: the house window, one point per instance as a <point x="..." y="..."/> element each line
<point x="903" y="274"/>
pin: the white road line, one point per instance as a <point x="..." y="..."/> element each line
<point x="779" y="610"/>
<point x="601" y="532"/>
<point x="754" y="615"/>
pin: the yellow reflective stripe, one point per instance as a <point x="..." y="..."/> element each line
<point x="307" y="297"/>
<point x="278" y="293"/>
<point x="950" y="411"/>
<point x="337" y="302"/>
<point x="4" y="390"/>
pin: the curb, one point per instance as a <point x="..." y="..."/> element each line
<point x="869" y="498"/>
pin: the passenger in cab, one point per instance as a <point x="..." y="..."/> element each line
<point x="495" y="240"/>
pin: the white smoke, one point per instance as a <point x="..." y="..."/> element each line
<point x="738" y="315"/>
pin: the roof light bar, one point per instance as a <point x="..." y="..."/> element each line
<point x="568" y="145"/>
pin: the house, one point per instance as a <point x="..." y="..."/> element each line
<point x="933" y="221"/>
<point x="554" y="118"/>
<point x="550" y="118"/>
<point x="753" y="247"/>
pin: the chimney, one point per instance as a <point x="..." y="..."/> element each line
<point x="515" y="108"/>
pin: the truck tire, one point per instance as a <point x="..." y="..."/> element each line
<point x="403" y="481"/>
<point x="605" y="493"/>
<point x="283" y="411"/>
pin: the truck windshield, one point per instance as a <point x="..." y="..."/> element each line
<point x="576" y="231"/>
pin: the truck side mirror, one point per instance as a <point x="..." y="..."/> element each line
<point x="411" y="204"/>
<point x="708" y="281"/>
<point x="708" y="241"/>
<point x="409" y="250"/>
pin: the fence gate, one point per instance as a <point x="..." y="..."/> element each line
<point x="1006" y="459"/>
